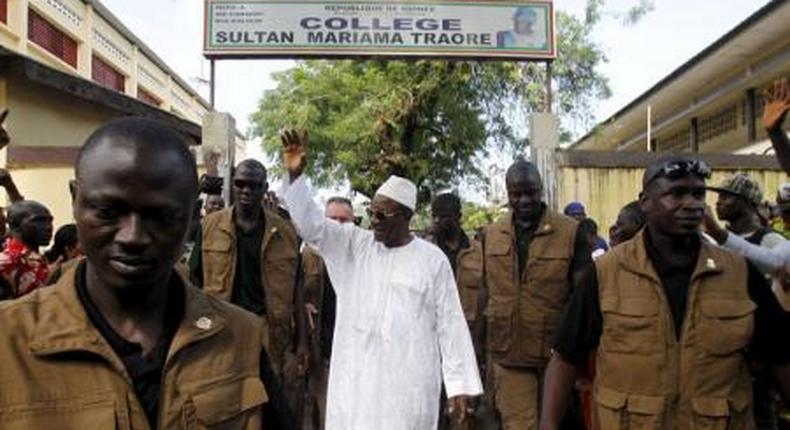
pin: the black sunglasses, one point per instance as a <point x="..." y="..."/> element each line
<point x="680" y="169"/>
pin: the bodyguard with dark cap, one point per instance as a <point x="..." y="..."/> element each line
<point x="669" y="318"/>
<point x="121" y="341"/>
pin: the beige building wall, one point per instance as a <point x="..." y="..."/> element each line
<point x="41" y="117"/>
<point x="605" y="191"/>
<point x="50" y="186"/>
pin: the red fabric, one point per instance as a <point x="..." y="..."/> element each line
<point x="586" y="383"/>
<point x="22" y="269"/>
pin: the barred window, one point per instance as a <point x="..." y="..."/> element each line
<point x="718" y="124"/>
<point x="147" y="97"/>
<point x="106" y="76"/>
<point x="676" y="142"/>
<point x="49" y="37"/>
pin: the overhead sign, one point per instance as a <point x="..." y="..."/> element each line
<point x="472" y="29"/>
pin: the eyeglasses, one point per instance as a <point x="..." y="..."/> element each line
<point x="681" y="168"/>
<point x="381" y="215"/>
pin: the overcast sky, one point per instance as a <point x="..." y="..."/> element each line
<point x="639" y="55"/>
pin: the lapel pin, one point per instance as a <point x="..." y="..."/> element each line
<point x="203" y="323"/>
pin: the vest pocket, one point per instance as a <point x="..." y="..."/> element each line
<point x="549" y="279"/>
<point x="231" y="405"/>
<point x="621" y="411"/>
<point x="710" y="413"/>
<point x="84" y="414"/>
<point x="469" y="283"/>
<point x="630" y="326"/>
<point x="726" y="326"/>
<point x="499" y="331"/>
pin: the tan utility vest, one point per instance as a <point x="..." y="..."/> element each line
<point x="279" y="265"/>
<point x="468" y="276"/>
<point x="58" y="372"/>
<point x="522" y="313"/>
<point x="314" y="276"/>
<point x="647" y="379"/>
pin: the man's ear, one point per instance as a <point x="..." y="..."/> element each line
<point x="645" y="202"/>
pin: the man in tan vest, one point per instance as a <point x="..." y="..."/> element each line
<point x="121" y="341"/>
<point x="530" y="256"/>
<point x="670" y="318"/>
<point x="466" y="260"/>
<point x="249" y="256"/>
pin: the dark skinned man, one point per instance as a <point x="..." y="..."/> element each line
<point x="250" y="256"/>
<point x="400" y="330"/>
<point x="629" y="221"/>
<point x="465" y="256"/>
<point x="669" y="317"/>
<point x="22" y="268"/>
<point x="531" y="256"/>
<point x="739" y="198"/>
<point x="121" y="341"/>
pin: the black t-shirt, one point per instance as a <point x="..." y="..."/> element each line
<point x="146" y="372"/>
<point x="247" y="291"/>
<point x="582" y="253"/>
<point x="452" y="254"/>
<point x="580" y="331"/>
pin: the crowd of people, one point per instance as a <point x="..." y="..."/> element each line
<point x="157" y="309"/>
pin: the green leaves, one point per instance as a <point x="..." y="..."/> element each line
<point x="429" y="120"/>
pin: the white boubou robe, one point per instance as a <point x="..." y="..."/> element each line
<point x="400" y="330"/>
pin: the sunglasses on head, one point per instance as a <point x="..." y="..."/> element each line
<point x="682" y="168"/>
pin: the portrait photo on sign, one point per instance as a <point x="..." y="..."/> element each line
<point x="528" y="30"/>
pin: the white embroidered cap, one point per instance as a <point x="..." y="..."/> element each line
<point x="401" y="190"/>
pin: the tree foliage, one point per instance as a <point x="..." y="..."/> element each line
<point x="431" y="121"/>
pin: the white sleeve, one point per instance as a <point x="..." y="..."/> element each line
<point x="459" y="365"/>
<point x="768" y="261"/>
<point x="334" y="242"/>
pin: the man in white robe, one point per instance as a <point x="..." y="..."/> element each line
<point x="400" y="331"/>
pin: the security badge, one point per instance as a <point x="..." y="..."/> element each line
<point x="203" y="323"/>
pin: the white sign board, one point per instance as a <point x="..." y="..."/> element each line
<point x="521" y="30"/>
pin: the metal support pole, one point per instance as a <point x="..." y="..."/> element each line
<point x="549" y="93"/>
<point x="212" y="83"/>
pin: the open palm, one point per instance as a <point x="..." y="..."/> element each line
<point x="777" y="102"/>
<point x="294" y="151"/>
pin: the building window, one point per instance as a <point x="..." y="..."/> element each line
<point x="677" y="142"/>
<point x="49" y="37"/>
<point x="720" y="123"/>
<point x="4" y="11"/>
<point x="106" y="76"/>
<point x="147" y="97"/>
